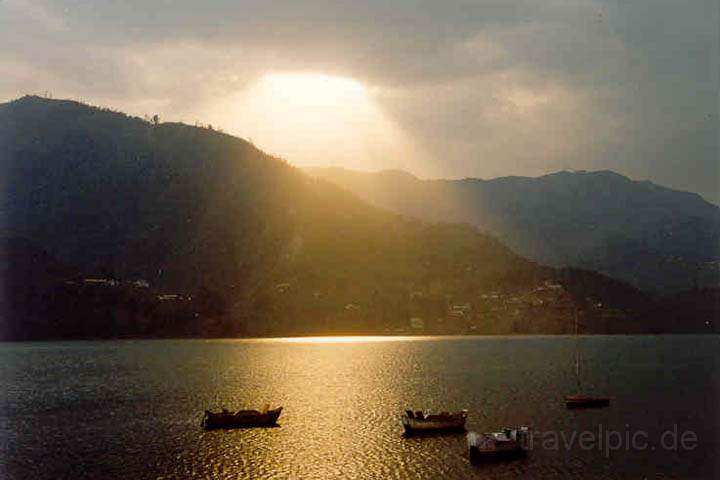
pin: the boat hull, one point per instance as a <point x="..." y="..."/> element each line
<point x="478" y="455"/>
<point x="241" y="419"/>
<point x="510" y="443"/>
<point x="435" y="424"/>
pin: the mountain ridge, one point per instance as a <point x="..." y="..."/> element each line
<point x="260" y="247"/>
<point x="400" y="173"/>
<point x="565" y="218"/>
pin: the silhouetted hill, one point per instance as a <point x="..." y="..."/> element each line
<point x="42" y="298"/>
<point x="138" y="228"/>
<point x="651" y="236"/>
<point x="189" y="210"/>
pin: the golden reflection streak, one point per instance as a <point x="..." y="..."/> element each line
<point x="339" y="339"/>
<point x="349" y="339"/>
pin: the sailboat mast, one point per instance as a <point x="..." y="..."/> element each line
<point x="577" y="351"/>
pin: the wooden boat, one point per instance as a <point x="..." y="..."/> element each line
<point x="241" y="418"/>
<point x="421" y="422"/>
<point x="578" y="400"/>
<point x="509" y="442"/>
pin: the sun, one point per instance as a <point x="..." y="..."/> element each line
<point x="308" y="90"/>
<point x="313" y="119"/>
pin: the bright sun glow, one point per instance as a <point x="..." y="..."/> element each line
<point x="315" y="91"/>
<point x="342" y="339"/>
<point x="315" y="119"/>
<point x="346" y="339"/>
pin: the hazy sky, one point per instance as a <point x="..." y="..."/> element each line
<point x="441" y="88"/>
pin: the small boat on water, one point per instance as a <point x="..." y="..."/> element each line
<point x="422" y="422"/>
<point x="242" y="418"/>
<point x="507" y="443"/>
<point x="578" y="400"/>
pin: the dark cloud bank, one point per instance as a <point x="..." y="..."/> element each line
<point x="487" y="88"/>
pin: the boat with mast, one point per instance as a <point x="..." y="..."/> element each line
<point x="579" y="400"/>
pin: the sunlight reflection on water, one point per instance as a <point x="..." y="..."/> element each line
<point x="132" y="409"/>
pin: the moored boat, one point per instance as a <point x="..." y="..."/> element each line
<point x="422" y="422"/>
<point x="507" y="443"/>
<point x="242" y="418"/>
<point x="578" y="400"/>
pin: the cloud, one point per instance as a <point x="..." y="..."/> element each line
<point x="486" y="87"/>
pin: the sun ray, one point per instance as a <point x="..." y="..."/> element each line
<point x="315" y="119"/>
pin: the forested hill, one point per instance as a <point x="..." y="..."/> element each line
<point x="150" y="214"/>
<point x="653" y="237"/>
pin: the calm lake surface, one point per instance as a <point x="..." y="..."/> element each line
<point x="132" y="409"/>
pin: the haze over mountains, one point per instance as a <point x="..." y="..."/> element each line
<point x="654" y="237"/>
<point x="117" y="226"/>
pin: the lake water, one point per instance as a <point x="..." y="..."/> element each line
<point x="132" y="409"/>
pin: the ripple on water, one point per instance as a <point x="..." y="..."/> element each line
<point x="132" y="409"/>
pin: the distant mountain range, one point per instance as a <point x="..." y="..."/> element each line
<point x="115" y="226"/>
<point x="653" y="237"/>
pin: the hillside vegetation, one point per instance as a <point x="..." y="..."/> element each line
<point x="117" y="226"/>
<point x="655" y="238"/>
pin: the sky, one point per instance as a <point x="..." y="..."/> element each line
<point x="451" y="89"/>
